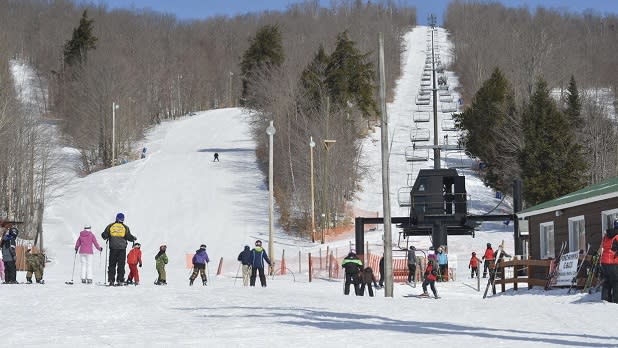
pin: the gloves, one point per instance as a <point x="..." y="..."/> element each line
<point x="101" y="249"/>
<point x="76" y="250"/>
<point x="140" y="264"/>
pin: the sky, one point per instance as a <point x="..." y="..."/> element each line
<point x="179" y="196"/>
<point x="199" y="9"/>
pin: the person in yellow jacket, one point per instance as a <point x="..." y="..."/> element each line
<point x="117" y="235"/>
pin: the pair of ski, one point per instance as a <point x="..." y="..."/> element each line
<point x="491" y="282"/>
<point x="553" y="269"/>
<point x="579" y="268"/>
<point x="593" y="271"/>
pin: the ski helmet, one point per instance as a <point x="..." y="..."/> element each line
<point x="13" y="231"/>
<point x="120" y="217"/>
<point x="203" y="246"/>
<point x="86" y="227"/>
<point x="137" y="245"/>
<point x="258" y="243"/>
<point x="489" y="245"/>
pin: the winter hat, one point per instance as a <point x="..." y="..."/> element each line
<point x="137" y="245"/>
<point x="412" y="247"/>
<point x="13" y="231"/>
<point x="203" y="246"/>
<point x="258" y="242"/>
<point x="120" y="217"/>
<point x="473" y="253"/>
<point x="163" y="246"/>
<point x="489" y="245"/>
<point x="86" y="227"/>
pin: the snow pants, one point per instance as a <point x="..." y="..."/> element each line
<point x="432" y="285"/>
<point x="10" y="271"/>
<point x="473" y="271"/>
<point x="254" y="271"/>
<point x="246" y="274"/>
<point x="86" y="262"/>
<point x="117" y="260"/>
<point x="411" y="273"/>
<point x="161" y="272"/>
<point x="610" y="284"/>
<point x="201" y="269"/>
<point x="133" y="273"/>
<point x="369" y="289"/>
<point x="351" y="279"/>
<point x="487" y="265"/>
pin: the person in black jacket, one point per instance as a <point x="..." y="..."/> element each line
<point x="117" y="234"/>
<point x="367" y="279"/>
<point x="9" y="257"/>
<point x="245" y="259"/>
<point x="352" y="265"/>
<point x="381" y="282"/>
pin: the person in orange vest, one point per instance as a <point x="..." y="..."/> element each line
<point x="609" y="264"/>
<point x="474" y="265"/>
<point x="489" y="259"/>
<point x="133" y="259"/>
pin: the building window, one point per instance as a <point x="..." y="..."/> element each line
<point x="577" y="233"/>
<point x="608" y="219"/>
<point x="548" y="248"/>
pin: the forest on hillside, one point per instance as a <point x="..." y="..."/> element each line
<point x="88" y="58"/>
<point x="540" y="87"/>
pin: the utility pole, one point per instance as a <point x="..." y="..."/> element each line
<point x="386" y="204"/>
<point x="436" y="148"/>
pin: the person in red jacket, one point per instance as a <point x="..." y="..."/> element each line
<point x="474" y="265"/>
<point x="609" y="264"/>
<point x="133" y="259"/>
<point x="489" y="259"/>
<point x="430" y="278"/>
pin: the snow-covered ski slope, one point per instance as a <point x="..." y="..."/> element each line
<point x="178" y="196"/>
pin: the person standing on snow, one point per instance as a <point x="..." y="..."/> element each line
<point x="412" y="264"/>
<point x="117" y="234"/>
<point x="161" y="261"/>
<point x="381" y="266"/>
<point x="488" y="257"/>
<point x="8" y="245"/>
<point x="430" y="277"/>
<point x="474" y="265"/>
<point x="83" y="245"/>
<point x="200" y="259"/>
<point x="352" y="265"/>
<point x="245" y="259"/>
<point x="133" y="260"/>
<point x="366" y="279"/>
<point x="35" y="262"/>
<point x="258" y="256"/>
<point x="443" y="264"/>
<point x="609" y="264"/>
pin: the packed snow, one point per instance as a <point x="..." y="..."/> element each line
<point x="179" y="197"/>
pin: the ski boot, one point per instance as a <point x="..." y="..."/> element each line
<point x="191" y="282"/>
<point x="424" y="294"/>
<point x="40" y="281"/>
<point x="89" y="281"/>
<point x="204" y="283"/>
<point x="29" y="280"/>
<point x="129" y="282"/>
<point x="83" y="281"/>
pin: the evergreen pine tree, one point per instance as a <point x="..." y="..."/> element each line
<point x="313" y="79"/>
<point x="83" y="40"/>
<point x="350" y="77"/>
<point x="573" y="105"/>
<point x="265" y="51"/>
<point x="482" y="123"/>
<point x="552" y="162"/>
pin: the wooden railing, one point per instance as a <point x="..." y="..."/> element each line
<point x="535" y="273"/>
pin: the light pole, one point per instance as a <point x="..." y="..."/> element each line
<point x="270" y="131"/>
<point x="114" y="107"/>
<point x="311" y="146"/>
<point x="327" y="143"/>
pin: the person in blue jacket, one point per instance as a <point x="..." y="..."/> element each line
<point x="200" y="259"/>
<point x="443" y="264"/>
<point x="258" y="256"/>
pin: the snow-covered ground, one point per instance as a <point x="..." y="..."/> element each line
<point x="180" y="197"/>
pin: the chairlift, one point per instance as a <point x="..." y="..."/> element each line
<point x="421" y="116"/>
<point x="444" y="93"/>
<point x="448" y="107"/>
<point x="423" y="100"/>
<point x="425" y="82"/>
<point x="419" y="134"/>
<point x="403" y="197"/>
<point x="448" y="125"/>
<point x="446" y="99"/>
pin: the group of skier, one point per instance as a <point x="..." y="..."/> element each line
<point x="252" y="262"/>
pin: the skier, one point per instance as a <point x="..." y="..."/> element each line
<point x="430" y="277"/>
<point x="161" y="261"/>
<point x="245" y="259"/>
<point x="367" y="278"/>
<point x="411" y="264"/>
<point x="133" y="260"/>
<point x="258" y="256"/>
<point x="9" y="256"/>
<point x="381" y="266"/>
<point x="216" y="157"/>
<point x="443" y="264"/>
<point x="35" y="262"/>
<point x="83" y="245"/>
<point x="352" y="265"/>
<point x="488" y="257"/>
<point x="117" y="234"/>
<point x="474" y="265"/>
<point x="609" y="264"/>
<point x="1" y="268"/>
<point x="200" y="259"/>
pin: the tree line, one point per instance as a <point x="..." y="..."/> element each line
<point x="155" y="67"/>
<point x="541" y="88"/>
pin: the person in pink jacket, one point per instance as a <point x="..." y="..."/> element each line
<point x="83" y="245"/>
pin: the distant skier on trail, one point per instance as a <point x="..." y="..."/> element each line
<point x="117" y="234"/>
<point x="200" y="259"/>
<point x="353" y="266"/>
<point x="133" y="260"/>
<point x="161" y="261"/>
<point x="245" y="258"/>
<point x="216" y="159"/>
<point x="609" y="264"/>
<point x="488" y="257"/>
<point x="83" y="245"/>
<point x="258" y="256"/>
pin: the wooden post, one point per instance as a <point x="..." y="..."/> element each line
<point x="330" y="265"/>
<point x="310" y="267"/>
<point x="282" y="269"/>
<point x="515" y="276"/>
<point x="327" y="261"/>
<point x="220" y="266"/>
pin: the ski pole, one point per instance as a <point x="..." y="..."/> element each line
<point x="208" y="272"/>
<point x="238" y="270"/>
<point x="73" y="272"/>
<point x="104" y="269"/>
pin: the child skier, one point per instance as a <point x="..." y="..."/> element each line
<point x="200" y="259"/>
<point x="133" y="259"/>
<point x="474" y="265"/>
<point x="161" y="260"/>
<point x="430" y="279"/>
<point x="35" y="262"/>
<point x="367" y="278"/>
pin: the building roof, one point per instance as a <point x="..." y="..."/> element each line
<point x="594" y="193"/>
